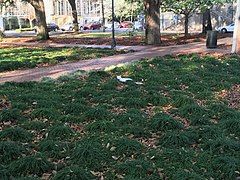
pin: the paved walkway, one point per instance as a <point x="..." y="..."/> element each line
<point x="37" y="74"/>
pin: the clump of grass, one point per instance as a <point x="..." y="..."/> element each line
<point x="178" y="139"/>
<point x="131" y="117"/>
<point x="101" y="126"/>
<point x="60" y="132"/>
<point x="196" y="114"/>
<point x="71" y="119"/>
<point x="136" y="130"/>
<point x="54" y="148"/>
<point x="10" y="151"/>
<point x="186" y="174"/>
<point x="97" y="113"/>
<point x="75" y="108"/>
<point x="35" y="125"/>
<point x="90" y="153"/>
<point x="4" y="173"/>
<point x="206" y="132"/>
<point x="182" y="100"/>
<point x="164" y="122"/>
<point x="225" y="167"/>
<point x="232" y="126"/>
<point x="127" y="147"/>
<point x="16" y="134"/>
<point x="137" y="169"/>
<point x="222" y="145"/>
<point x="30" y="165"/>
<point x="12" y="115"/>
<point x="73" y="173"/>
<point x="42" y="113"/>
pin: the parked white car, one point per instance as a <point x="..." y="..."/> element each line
<point x="226" y="29"/>
<point x="69" y="27"/>
<point x="138" y="25"/>
<point x="108" y="25"/>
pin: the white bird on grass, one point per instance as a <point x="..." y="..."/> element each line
<point x="123" y="79"/>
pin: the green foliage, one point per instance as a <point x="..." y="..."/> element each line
<point x="9" y="151"/>
<point x="60" y="132"/>
<point x="97" y="113"/>
<point x="137" y="169"/>
<point x="34" y="125"/>
<point x="53" y="148"/>
<point x="16" y="134"/>
<point x="101" y="126"/>
<point x="28" y="165"/>
<point x="127" y="147"/>
<point x="4" y="173"/>
<point x="12" y="115"/>
<point x="178" y="139"/>
<point x="91" y="154"/>
<point x="163" y="122"/>
<point x="73" y="173"/>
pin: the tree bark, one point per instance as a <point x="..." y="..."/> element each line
<point x="207" y="23"/>
<point x="42" y="32"/>
<point x="236" y="34"/>
<point x="152" y="11"/>
<point x="103" y="16"/>
<point x="186" y="22"/>
<point x="74" y="15"/>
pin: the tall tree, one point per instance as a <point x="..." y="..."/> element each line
<point x="152" y="15"/>
<point x="184" y="7"/>
<point x="74" y="14"/>
<point x="38" y="5"/>
<point x="206" y="21"/>
<point x="103" y="15"/>
<point x="236" y="34"/>
<point x="205" y="7"/>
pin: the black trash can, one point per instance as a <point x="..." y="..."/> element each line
<point x="211" y="39"/>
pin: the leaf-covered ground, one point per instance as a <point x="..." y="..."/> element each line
<point x="177" y="125"/>
<point x="18" y="58"/>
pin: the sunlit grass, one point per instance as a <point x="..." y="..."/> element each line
<point x="19" y="58"/>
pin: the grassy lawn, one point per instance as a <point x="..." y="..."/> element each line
<point x="182" y="123"/>
<point x="19" y="58"/>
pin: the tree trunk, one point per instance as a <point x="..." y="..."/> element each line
<point x="42" y="32"/>
<point x="152" y="11"/>
<point x="236" y="34"/>
<point x="186" y="22"/>
<point x="103" y="16"/>
<point x="74" y="15"/>
<point x="207" y="23"/>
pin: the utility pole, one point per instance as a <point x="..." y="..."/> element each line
<point x="113" y="28"/>
<point x="236" y="34"/>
